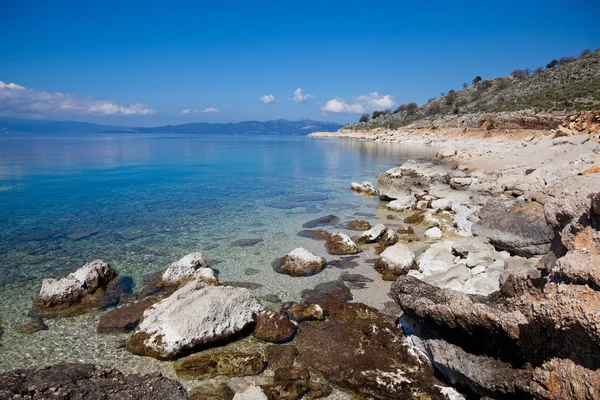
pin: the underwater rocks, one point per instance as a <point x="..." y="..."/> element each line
<point x="327" y="220"/>
<point x="193" y="316"/>
<point x="124" y="319"/>
<point x="87" y="381"/>
<point x="301" y="262"/>
<point x="340" y="244"/>
<point x="91" y="286"/>
<point x="358" y="225"/>
<point x="209" y="364"/>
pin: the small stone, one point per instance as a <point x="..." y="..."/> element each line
<point x="340" y="244"/>
<point x="371" y="235"/>
<point x="401" y="204"/>
<point x="433" y="233"/>
<point x="181" y="271"/>
<point x="441" y="204"/>
<point x="252" y="393"/>
<point x="301" y="262"/>
<point x="395" y="261"/>
<point x="389" y="238"/>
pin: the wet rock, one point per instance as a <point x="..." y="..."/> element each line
<point x="359" y="225"/>
<point x="371" y="235"/>
<point x="252" y="393"/>
<point x="389" y="238"/>
<point x="334" y="289"/>
<point x="306" y="312"/>
<point x="307" y="198"/>
<point x="247" y="242"/>
<point x="81" y="235"/>
<point x="405" y="230"/>
<point x="340" y="244"/>
<point x="190" y="267"/>
<point x="193" y="316"/>
<point x="87" y="381"/>
<point x="212" y="391"/>
<point x="124" y="319"/>
<point x="281" y="356"/>
<point x="209" y="364"/>
<point x="290" y="384"/>
<point x="382" y="369"/>
<point x="81" y="290"/>
<point x="274" y="326"/>
<point x="402" y="203"/>
<point x="313" y="234"/>
<point x="34" y="325"/>
<point x="318" y="390"/>
<point x="416" y="218"/>
<point x="520" y="230"/>
<point x="327" y="220"/>
<point x="433" y="233"/>
<point x="365" y="187"/>
<point x="301" y="262"/>
<point x="395" y="261"/>
<point x="243" y="284"/>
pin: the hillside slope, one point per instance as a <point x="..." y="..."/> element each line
<point x="573" y="86"/>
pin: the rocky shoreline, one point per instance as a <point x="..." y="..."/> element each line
<point x="493" y="248"/>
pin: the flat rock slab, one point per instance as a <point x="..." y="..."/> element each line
<point x="87" y="382"/>
<point x="210" y="364"/>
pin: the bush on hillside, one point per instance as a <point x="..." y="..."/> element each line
<point x="585" y="52"/>
<point x="552" y="64"/>
<point x="519" y="74"/>
<point x="364" y="118"/>
<point x="476" y="80"/>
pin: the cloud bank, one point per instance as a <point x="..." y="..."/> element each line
<point x="19" y="101"/>
<point x="196" y="110"/>
<point x="362" y="104"/>
<point x="268" y="99"/>
<point x="298" y="97"/>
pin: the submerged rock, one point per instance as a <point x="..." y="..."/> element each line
<point x="124" y="319"/>
<point x="193" y="316"/>
<point x="313" y="234"/>
<point x="327" y="220"/>
<point x="301" y="262"/>
<point x="340" y="244"/>
<point x="84" y="289"/>
<point x="87" y="381"/>
<point x="247" y="242"/>
<point x="34" y="325"/>
<point x="359" y="225"/>
<point x="389" y="238"/>
<point x="209" y="364"/>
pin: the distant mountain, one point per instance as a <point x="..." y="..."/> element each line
<point x="276" y="127"/>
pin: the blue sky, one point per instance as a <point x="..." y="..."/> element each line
<point x="145" y="62"/>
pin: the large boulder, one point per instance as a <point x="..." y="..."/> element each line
<point x="301" y="262"/>
<point x="80" y="290"/>
<point x="193" y="316"/>
<point x="192" y="266"/>
<point x="340" y="244"/>
<point x="395" y="261"/>
<point x="519" y="229"/>
<point x="86" y="381"/>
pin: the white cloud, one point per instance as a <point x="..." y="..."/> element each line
<point x="268" y="99"/>
<point x="19" y="101"/>
<point x="298" y="97"/>
<point x="364" y="103"/>
<point x="196" y="110"/>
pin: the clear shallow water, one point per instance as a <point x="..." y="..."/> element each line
<point x="141" y="202"/>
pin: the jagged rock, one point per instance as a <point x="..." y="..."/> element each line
<point x="359" y="225"/>
<point x="194" y="315"/>
<point x="124" y="319"/>
<point x="520" y="230"/>
<point x="340" y="244"/>
<point x="252" y="393"/>
<point x="213" y="363"/>
<point x="371" y="235"/>
<point x="578" y="268"/>
<point x="442" y="204"/>
<point x="183" y="270"/>
<point x="290" y="384"/>
<point x="596" y="203"/>
<point x="301" y="262"/>
<point x="274" y="326"/>
<point x="568" y="200"/>
<point x="79" y="291"/>
<point x="382" y="369"/>
<point x="402" y="203"/>
<point x="212" y="391"/>
<point x="395" y="188"/>
<point x="395" y="261"/>
<point x="389" y="238"/>
<point x="87" y="381"/>
<point x="365" y="187"/>
<point x="249" y="242"/>
<point x="433" y="233"/>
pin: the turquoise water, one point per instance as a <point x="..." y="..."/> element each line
<point x="141" y="202"/>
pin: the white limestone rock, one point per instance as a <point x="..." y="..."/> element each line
<point x="402" y="203"/>
<point x="340" y="244"/>
<point x="395" y="261"/>
<point x="437" y="258"/>
<point x="194" y="315"/>
<point x="442" y="204"/>
<point x="371" y="235"/>
<point x="301" y="262"/>
<point x="365" y="187"/>
<point x="192" y="265"/>
<point x="433" y="233"/>
<point x="252" y="393"/>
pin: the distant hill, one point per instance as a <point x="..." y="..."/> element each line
<point x="568" y="86"/>
<point x="276" y="127"/>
